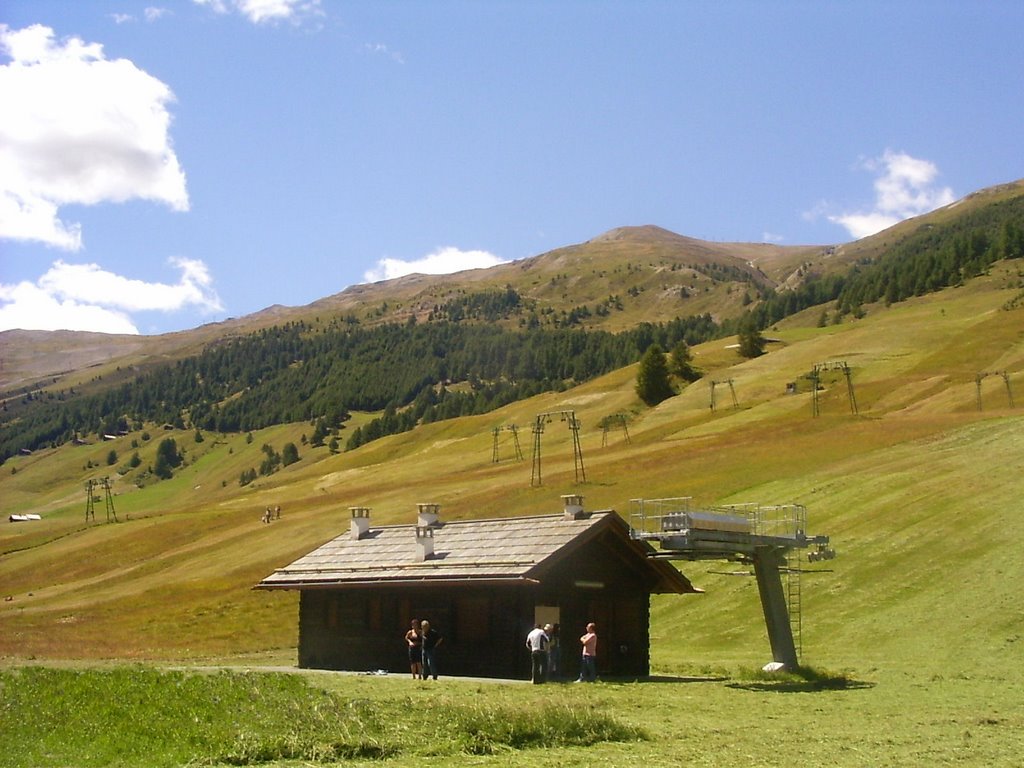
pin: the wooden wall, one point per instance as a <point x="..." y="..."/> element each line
<point x="485" y="627"/>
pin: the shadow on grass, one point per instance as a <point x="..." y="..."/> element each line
<point x="660" y="679"/>
<point x="684" y="679"/>
<point x="803" y="680"/>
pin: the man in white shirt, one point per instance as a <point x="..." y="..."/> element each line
<point x="537" y="642"/>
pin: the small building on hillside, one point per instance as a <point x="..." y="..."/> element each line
<point x="483" y="584"/>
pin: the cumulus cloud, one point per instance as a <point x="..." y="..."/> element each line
<point x="905" y="186"/>
<point x="266" y="11"/>
<point x="443" y="261"/>
<point x="78" y="128"/>
<point x="85" y="297"/>
<point x="31" y="308"/>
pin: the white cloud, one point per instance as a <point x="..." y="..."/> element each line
<point x="153" y="13"/>
<point x="266" y="11"/>
<point x="217" y="6"/>
<point x="85" y="297"/>
<point x="443" y="261"/>
<point x="31" y="308"/>
<point x="77" y="128"/>
<point x="383" y="50"/>
<point x="905" y="186"/>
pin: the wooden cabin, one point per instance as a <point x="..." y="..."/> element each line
<point x="483" y="584"/>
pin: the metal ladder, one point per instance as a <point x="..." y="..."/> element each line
<point x="794" y="599"/>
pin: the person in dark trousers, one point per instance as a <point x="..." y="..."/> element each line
<point x="431" y="642"/>
<point x="414" y="639"/>
<point x="588" y="663"/>
<point x="537" y="642"/>
<point x="554" y="652"/>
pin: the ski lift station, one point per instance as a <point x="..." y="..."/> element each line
<point x="769" y="538"/>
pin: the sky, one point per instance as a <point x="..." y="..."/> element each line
<point x="169" y="164"/>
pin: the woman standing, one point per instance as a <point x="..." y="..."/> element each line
<point x="414" y="639"/>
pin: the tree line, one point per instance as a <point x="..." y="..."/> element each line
<point x="295" y="372"/>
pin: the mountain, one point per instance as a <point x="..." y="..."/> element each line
<point x="505" y="333"/>
<point x="918" y="490"/>
<point x="647" y="269"/>
<point x="648" y="274"/>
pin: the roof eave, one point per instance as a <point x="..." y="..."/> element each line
<point x="403" y="582"/>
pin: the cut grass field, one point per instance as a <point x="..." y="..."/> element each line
<point x="917" y="621"/>
<point x="129" y="716"/>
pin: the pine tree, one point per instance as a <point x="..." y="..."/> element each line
<point x="751" y="341"/>
<point x="289" y="454"/>
<point x="167" y="458"/>
<point x="681" y="362"/>
<point x="652" y="384"/>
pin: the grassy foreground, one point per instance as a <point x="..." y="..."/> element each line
<point x="141" y="716"/>
<point x="919" y="615"/>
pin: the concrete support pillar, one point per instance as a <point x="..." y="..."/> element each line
<point x="767" y="564"/>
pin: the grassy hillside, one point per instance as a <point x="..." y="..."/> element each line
<point x="918" y="492"/>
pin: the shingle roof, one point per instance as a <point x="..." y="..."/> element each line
<point x="505" y="549"/>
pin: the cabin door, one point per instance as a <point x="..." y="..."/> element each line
<point x="545" y="614"/>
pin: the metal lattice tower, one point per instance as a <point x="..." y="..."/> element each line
<point x="1006" y="380"/>
<point x="815" y="377"/>
<point x="577" y="450"/>
<point x="515" y="440"/>
<point x="90" y="501"/>
<point x="91" y="498"/>
<point x="618" y="419"/>
<point x="732" y="390"/>
<point x="111" y="514"/>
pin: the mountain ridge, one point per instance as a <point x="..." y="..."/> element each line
<point x="652" y="272"/>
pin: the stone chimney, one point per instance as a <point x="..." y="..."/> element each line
<point x="572" y="503"/>
<point x="360" y="521"/>
<point x="424" y="542"/>
<point x="428" y="515"/>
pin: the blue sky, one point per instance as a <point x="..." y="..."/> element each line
<point x="168" y="164"/>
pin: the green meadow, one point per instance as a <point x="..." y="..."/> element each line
<point x="142" y="643"/>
